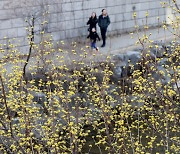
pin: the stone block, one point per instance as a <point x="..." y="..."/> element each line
<point x="61" y="26"/>
<point x="62" y="35"/>
<point x="87" y="14"/>
<point x="2" y="4"/>
<point x="129" y="7"/>
<point x="59" y="7"/>
<point x="130" y="24"/>
<point x="65" y="16"/>
<point x="54" y="8"/>
<point x="102" y="4"/>
<point x="161" y="11"/>
<point x="12" y="33"/>
<point x="119" y="17"/>
<point x="112" y="18"/>
<point x="19" y="13"/>
<point x="5" y="24"/>
<point x="54" y="17"/>
<point x="66" y="7"/>
<point x="90" y="4"/>
<point x="153" y="5"/>
<point x="59" y="35"/>
<point x="119" y="9"/>
<point x="117" y="26"/>
<point x="5" y="4"/>
<point x="121" y="2"/>
<point x="79" y="23"/>
<point x="21" y="32"/>
<point x="152" y="21"/>
<point x="6" y="14"/>
<point x="71" y="33"/>
<point x="17" y="22"/>
<point x="69" y="24"/>
<point x="53" y="27"/>
<point x="86" y="5"/>
<point x="141" y="14"/>
<point x="79" y="14"/>
<point x="122" y="9"/>
<point x="143" y="6"/>
<point x="3" y="33"/>
<point x="77" y="6"/>
<point x="82" y="31"/>
<point x="109" y="3"/>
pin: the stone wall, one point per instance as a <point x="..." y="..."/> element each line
<point x="67" y="18"/>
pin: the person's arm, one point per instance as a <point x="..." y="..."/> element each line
<point x="99" y="21"/>
<point x="88" y="21"/>
<point x="108" y="23"/>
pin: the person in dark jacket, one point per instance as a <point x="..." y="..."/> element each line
<point x="92" y="22"/>
<point x="93" y="37"/>
<point x="103" y="23"/>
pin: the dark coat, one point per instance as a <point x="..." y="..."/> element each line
<point x="92" y="23"/>
<point x="104" y="22"/>
<point x="93" y="36"/>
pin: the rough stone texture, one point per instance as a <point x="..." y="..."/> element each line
<point x="67" y="18"/>
<point x="123" y="62"/>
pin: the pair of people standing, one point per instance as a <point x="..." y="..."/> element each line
<point x="103" y="22"/>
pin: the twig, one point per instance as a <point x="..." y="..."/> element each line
<point x="30" y="48"/>
<point x="6" y="106"/>
<point x="177" y="7"/>
<point x="8" y="113"/>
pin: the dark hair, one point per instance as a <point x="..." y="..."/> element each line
<point x="103" y="10"/>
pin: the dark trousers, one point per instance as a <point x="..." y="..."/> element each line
<point x="103" y="34"/>
<point x="93" y="45"/>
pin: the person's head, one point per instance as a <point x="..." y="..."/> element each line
<point x="93" y="15"/>
<point x="104" y="12"/>
<point x="93" y="29"/>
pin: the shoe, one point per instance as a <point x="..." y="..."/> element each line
<point x="97" y="49"/>
<point x="103" y="45"/>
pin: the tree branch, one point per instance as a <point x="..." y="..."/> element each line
<point x="30" y="48"/>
